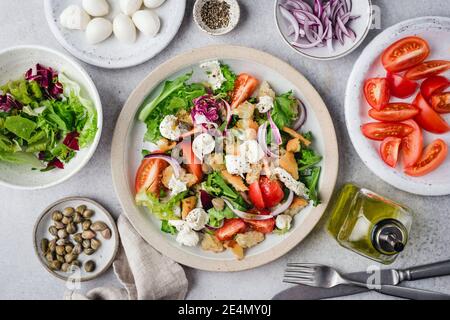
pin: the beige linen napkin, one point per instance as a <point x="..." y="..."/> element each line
<point x="143" y="271"/>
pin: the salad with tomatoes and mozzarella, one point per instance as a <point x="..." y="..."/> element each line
<point x="224" y="162"/>
<point x="400" y="123"/>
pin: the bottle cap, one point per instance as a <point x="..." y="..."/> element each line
<point x="390" y="236"/>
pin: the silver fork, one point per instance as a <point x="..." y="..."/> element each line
<point x="316" y="275"/>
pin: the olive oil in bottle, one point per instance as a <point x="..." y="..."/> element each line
<point x="370" y="224"/>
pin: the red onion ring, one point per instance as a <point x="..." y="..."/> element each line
<point x="172" y="161"/>
<point x="284" y="206"/>
<point x="245" y="215"/>
<point x="275" y="131"/>
<point x="301" y="116"/>
<point x="262" y="140"/>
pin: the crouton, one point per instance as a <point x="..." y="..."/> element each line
<point x="288" y="163"/>
<point x="293" y="145"/>
<point x="187" y="205"/>
<point x="235" y="181"/>
<point x="249" y="239"/>
<point x="211" y="243"/>
<point x="296" y="206"/>
<point x="295" y="134"/>
<point x="237" y="250"/>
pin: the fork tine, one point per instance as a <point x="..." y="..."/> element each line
<point x="304" y="265"/>
<point x="298" y="277"/>
<point x="309" y="283"/>
<point x="300" y="269"/>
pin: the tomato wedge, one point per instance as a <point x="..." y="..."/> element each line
<point x="427" y="69"/>
<point x="148" y="176"/>
<point x="263" y="226"/>
<point x="376" y="91"/>
<point x="433" y="85"/>
<point x="382" y="130"/>
<point x="255" y="195"/>
<point x="429" y="119"/>
<point x="397" y="111"/>
<point x="433" y="156"/>
<point x="441" y="102"/>
<point x="389" y="150"/>
<point x="271" y="191"/>
<point x="244" y="86"/>
<point x="193" y="164"/>
<point x="399" y="86"/>
<point x="405" y="53"/>
<point x="412" y="144"/>
<point x="230" y="228"/>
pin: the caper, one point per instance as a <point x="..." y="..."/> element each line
<point x="53" y="230"/>
<point x="71" y="228"/>
<point x="55" y="265"/>
<point x="77" y="249"/>
<point x="99" y="226"/>
<point x="44" y="245"/>
<point x="95" y="244"/>
<point x="50" y="256"/>
<point x="76" y="263"/>
<point x="68" y="212"/>
<point x="77" y="218"/>
<point x="62" y="234"/>
<point x="70" y="257"/>
<point x="106" y="234"/>
<point x="57" y="215"/>
<point x="89" y="251"/>
<point x="69" y="248"/>
<point x="66" y="220"/>
<point x="59" y="225"/>
<point x="86" y="225"/>
<point x="88" y="234"/>
<point x="61" y="242"/>
<point x="60" y="258"/>
<point x="60" y="250"/>
<point x="80" y="208"/>
<point x="86" y="243"/>
<point x="88" y="213"/>
<point x="89" y="266"/>
<point x="52" y="245"/>
<point x="65" y="267"/>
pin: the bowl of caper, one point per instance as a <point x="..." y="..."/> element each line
<point x="76" y="239"/>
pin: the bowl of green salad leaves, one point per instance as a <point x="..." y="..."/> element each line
<point x="50" y="117"/>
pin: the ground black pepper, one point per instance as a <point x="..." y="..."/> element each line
<point x="215" y="14"/>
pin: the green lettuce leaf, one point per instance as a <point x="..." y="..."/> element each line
<point x="284" y="110"/>
<point x="21" y="158"/>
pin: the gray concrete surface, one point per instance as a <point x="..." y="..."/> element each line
<point x="21" y="275"/>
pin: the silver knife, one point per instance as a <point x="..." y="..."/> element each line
<point x="387" y="277"/>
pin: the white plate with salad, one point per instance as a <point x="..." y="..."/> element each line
<point x="50" y="117"/>
<point x="224" y="158"/>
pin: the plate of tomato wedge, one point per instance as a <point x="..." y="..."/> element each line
<point x="397" y="105"/>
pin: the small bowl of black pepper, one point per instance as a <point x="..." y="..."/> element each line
<point x="216" y="17"/>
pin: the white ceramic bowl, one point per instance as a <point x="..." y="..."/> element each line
<point x="361" y="26"/>
<point x="235" y="15"/>
<point x="14" y="62"/>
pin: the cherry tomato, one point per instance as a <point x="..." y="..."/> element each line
<point x="376" y="91"/>
<point x="193" y="164"/>
<point x="399" y="86"/>
<point x="263" y="226"/>
<point x="397" y="111"/>
<point x="148" y="176"/>
<point x="389" y="150"/>
<point x="255" y="195"/>
<point x="441" y="102"/>
<point x="433" y="85"/>
<point x="405" y="53"/>
<point x="230" y="228"/>
<point x="427" y="69"/>
<point x="433" y="156"/>
<point x="429" y="119"/>
<point x="382" y="130"/>
<point x="271" y="190"/>
<point x="412" y="144"/>
<point x="243" y="89"/>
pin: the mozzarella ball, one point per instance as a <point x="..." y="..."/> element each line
<point x="96" y="8"/>
<point x="147" y="22"/>
<point x="124" y="28"/>
<point x="130" y="6"/>
<point x="74" y="17"/>
<point x="153" y="3"/>
<point x="98" y="29"/>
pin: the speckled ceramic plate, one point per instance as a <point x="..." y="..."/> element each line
<point x="112" y="53"/>
<point x="127" y="145"/>
<point x="436" y="31"/>
<point x="103" y="257"/>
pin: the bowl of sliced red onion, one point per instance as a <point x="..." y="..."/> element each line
<point x="323" y="29"/>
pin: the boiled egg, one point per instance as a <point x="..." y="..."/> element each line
<point x="98" y="30"/>
<point x="153" y="3"/>
<point x="124" y="28"/>
<point x="74" y="17"/>
<point x="147" y="22"/>
<point x="96" y="8"/>
<point x="130" y="6"/>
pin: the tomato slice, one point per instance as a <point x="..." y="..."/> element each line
<point x="397" y="111"/>
<point x="193" y="164"/>
<point x="399" y="86"/>
<point x="230" y="228"/>
<point x="412" y="144"/>
<point x="427" y="69"/>
<point x="389" y="150"/>
<point x="405" y="53"/>
<point x="263" y="226"/>
<point x="433" y="156"/>
<point x="433" y="85"/>
<point x="382" y="130"/>
<point x="441" y="102"/>
<point x="244" y="86"/>
<point x="376" y="91"/>
<point x="271" y="191"/>
<point x="255" y="195"/>
<point x="148" y="176"/>
<point x="429" y="119"/>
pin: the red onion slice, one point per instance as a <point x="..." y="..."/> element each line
<point x="172" y="161"/>
<point x="262" y="140"/>
<point x="245" y="215"/>
<point x="301" y="116"/>
<point x="275" y="131"/>
<point x="284" y="206"/>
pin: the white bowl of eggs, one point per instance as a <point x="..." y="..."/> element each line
<point x="114" y="33"/>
